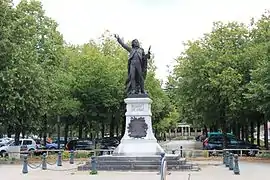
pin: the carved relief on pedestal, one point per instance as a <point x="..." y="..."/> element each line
<point x="137" y="127"/>
<point x="137" y="107"/>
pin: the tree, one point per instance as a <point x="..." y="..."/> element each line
<point x="34" y="45"/>
<point x="259" y="88"/>
<point x="210" y="77"/>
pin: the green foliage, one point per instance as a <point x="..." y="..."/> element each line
<point x="222" y="79"/>
<point x="42" y="78"/>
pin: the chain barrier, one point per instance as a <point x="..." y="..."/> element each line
<point x="80" y="163"/>
<point x="54" y="163"/>
<point x="33" y="166"/>
<point x="70" y="169"/>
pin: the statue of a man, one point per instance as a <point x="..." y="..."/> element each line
<point x="137" y="66"/>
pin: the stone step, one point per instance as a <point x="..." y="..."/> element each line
<point x="147" y="158"/>
<point x="120" y="167"/>
<point x="136" y="163"/>
<point x="153" y="163"/>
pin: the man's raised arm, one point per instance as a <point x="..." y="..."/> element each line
<point x="125" y="46"/>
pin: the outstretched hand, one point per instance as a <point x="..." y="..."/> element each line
<point x="116" y="36"/>
<point x="149" y="50"/>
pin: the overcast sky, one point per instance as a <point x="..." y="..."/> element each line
<point x="164" y="24"/>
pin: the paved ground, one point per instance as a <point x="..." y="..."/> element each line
<point x="249" y="171"/>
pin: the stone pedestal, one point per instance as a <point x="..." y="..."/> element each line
<point x="138" y="139"/>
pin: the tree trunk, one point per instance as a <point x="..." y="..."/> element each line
<point x="81" y="127"/>
<point x="102" y="128"/>
<point x="85" y="132"/>
<point x="58" y="132"/>
<point x="45" y="124"/>
<point x="91" y="135"/>
<point x="237" y="130"/>
<point x="246" y="131"/>
<point x="234" y="129"/>
<point x="17" y="134"/>
<point x="205" y="132"/>
<point x="117" y="130"/>
<point x="258" y="132"/>
<point x="123" y="128"/>
<point x="222" y="116"/>
<point x="112" y="124"/>
<point x="266" y="144"/>
<point x="225" y="141"/>
<point x="66" y="130"/>
<point x="9" y="131"/>
<point x="23" y="132"/>
<point x="252" y="132"/>
<point x="242" y="132"/>
<point x="117" y="122"/>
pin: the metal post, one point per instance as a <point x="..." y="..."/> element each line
<point x="181" y="151"/>
<point x="227" y="159"/>
<point x="59" y="159"/>
<point x="25" y="165"/>
<point x="163" y="170"/>
<point x="71" y="157"/>
<point x="93" y="165"/>
<point x="44" y="163"/>
<point x="231" y="161"/>
<point x="162" y="155"/>
<point x="236" y="165"/>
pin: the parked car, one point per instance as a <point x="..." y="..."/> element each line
<point x="5" y="141"/>
<point x="108" y="142"/>
<point x="216" y="134"/>
<point x="80" y="144"/>
<point x="216" y="143"/>
<point x="62" y="144"/>
<point x="26" y="145"/>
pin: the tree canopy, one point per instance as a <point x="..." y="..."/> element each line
<point x="221" y="80"/>
<point x="42" y="78"/>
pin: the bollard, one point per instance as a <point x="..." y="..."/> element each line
<point x="231" y="161"/>
<point x="93" y="165"/>
<point x="59" y="159"/>
<point x="227" y="159"/>
<point x="236" y="165"/>
<point x="163" y="169"/>
<point x="181" y="151"/>
<point x="44" y="163"/>
<point x="25" y="165"/>
<point x="71" y="157"/>
<point x="223" y="154"/>
<point x="162" y="155"/>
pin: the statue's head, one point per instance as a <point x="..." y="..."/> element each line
<point x="135" y="43"/>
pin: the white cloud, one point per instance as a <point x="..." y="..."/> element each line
<point x="164" y="24"/>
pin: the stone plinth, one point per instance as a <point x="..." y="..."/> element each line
<point x="139" y="139"/>
<point x="137" y="163"/>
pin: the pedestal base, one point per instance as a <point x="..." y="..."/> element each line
<point x="135" y="163"/>
<point x="139" y="139"/>
<point x="138" y="147"/>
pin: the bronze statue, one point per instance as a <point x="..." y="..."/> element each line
<point x="137" y="66"/>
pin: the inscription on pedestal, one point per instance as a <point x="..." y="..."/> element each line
<point x="137" y="107"/>
<point x="137" y="127"/>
